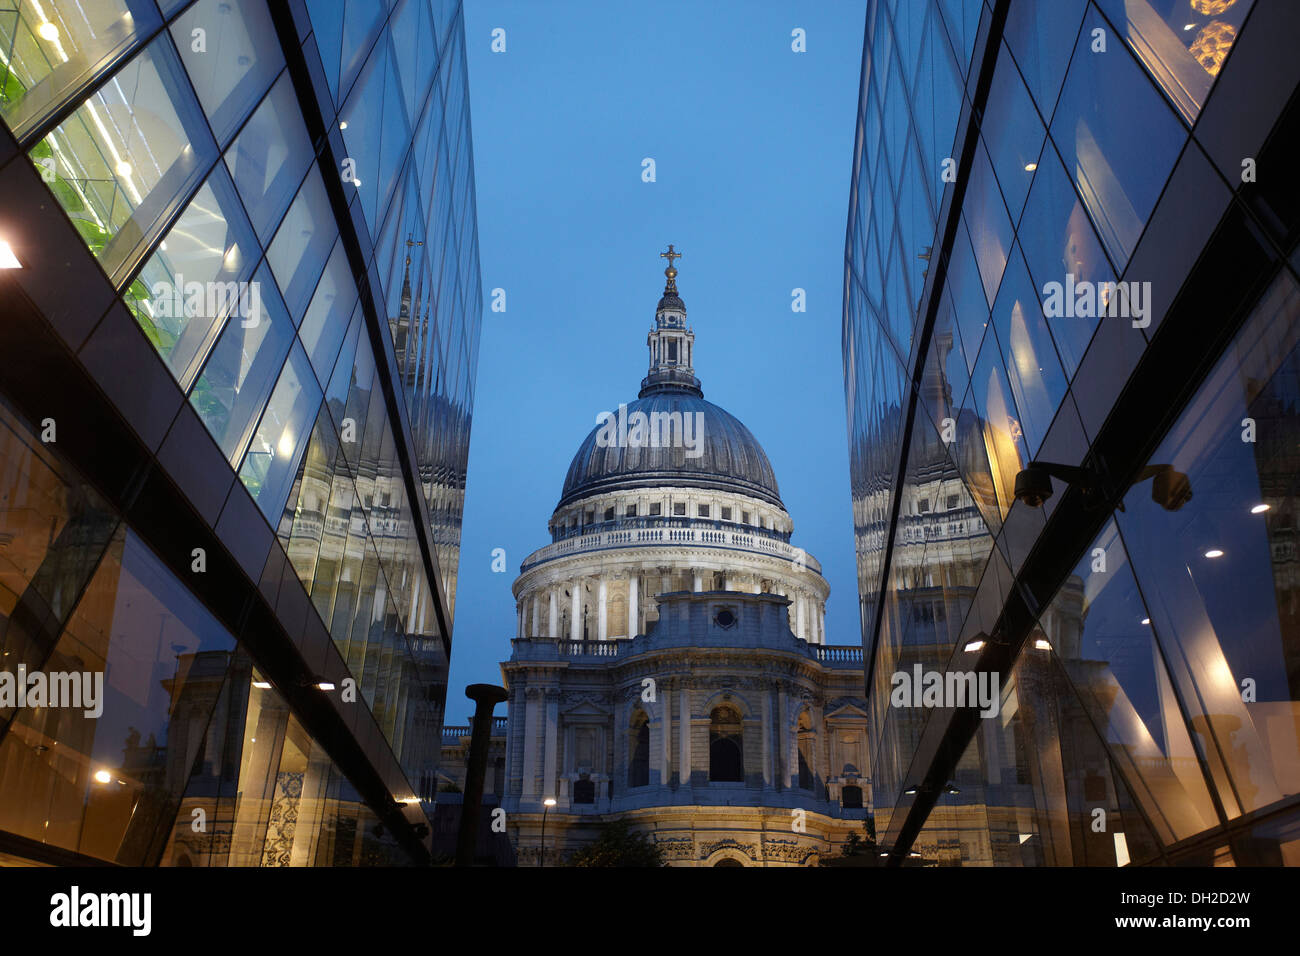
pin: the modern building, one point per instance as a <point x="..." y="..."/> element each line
<point x="241" y="310"/>
<point x="1071" y="333"/>
<point x="670" y="666"/>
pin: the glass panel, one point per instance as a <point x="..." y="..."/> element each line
<point x="1001" y="435"/>
<point x="1216" y="567"/>
<point x="301" y="244"/>
<point x="51" y="48"/>
<point x="268" y="158"/>
<point x="988" y="224"/>
<point x="327" y="316"/>
<point x="1012" y="132"/>
<point x="1182" y="45"/>
<point x="1060" y="247"/>
<point x="230" y="51"/>
<point x="127" y="154"/>
<point x="1037" y="381"/>
<point x="106" y="784"/>
<point x="229" y="394"/>
<point x="196" y="278"/>
<point x="1119" y="141"/>
<point x="1041" y="36"/>
<point x="1102" y="633"/>
<point x="271" y="462"/>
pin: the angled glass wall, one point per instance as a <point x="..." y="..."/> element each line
<point x="329" y="356"/>
<point x="1025" y="174"/>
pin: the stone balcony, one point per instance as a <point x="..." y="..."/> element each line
<point x="668" y="532"/>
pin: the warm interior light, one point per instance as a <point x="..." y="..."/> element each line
<point x="123" y="168"/>
<point x="1030" y="167"/>
<point x="357" y="183"/>
<point x="973" y="646"/>
<point x="262" y="684"/>
<point x="1146" y="620"/>
<point x="1214" y="553"/>
<point x="48" y="31"/>
<point x="1042" y="645"/>
<point x="1259" y="509"/>
<point x="7" y="258"/>
<point x="103" y="776"/>
<point x="910" y="791"/>
<point x="324" y="685"/>
<point x="343" y="124"/>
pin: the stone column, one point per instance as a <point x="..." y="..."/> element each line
<point x="602" y="616"/>
<point x="821" y="625"/>
<point x="699" y="582"/>
<point x="684" y="732"/>
<point x="549" y="787"/>
<point x="666" y="744"/>
<point x="554" y="622"/>
<point x="768" y="780"/>
<point x="801" y="623"/>
<point x="575" y="611"/>
<point x="633" y="612"/>
<point x="532" y="718"/>
<point x="537" y="612"/>
<point x="782" y="721"/>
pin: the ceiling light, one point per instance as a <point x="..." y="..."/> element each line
<point x="343" y="124"/>
<point x="103" y="776"/>
<point x="7" y="258"/>
<point x="262" y="684"/>
<point x="123" y="168"/>
<point x="1189" y="26"/>
<point x="1259" y="509"/>
<point x="1214" y="553"/>
<point x="910" y="791"/>
<point x="1042" y="645"/>
<point x="1030" y="167"/>
<point x="356" y="182"/>
<point x="1146" y="620"/>
<point x="324" y="685"/>
<point x="973" y="646"/>
<point x="48" y="31"/>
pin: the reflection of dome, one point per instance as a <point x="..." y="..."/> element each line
<point x="729" y="459"/>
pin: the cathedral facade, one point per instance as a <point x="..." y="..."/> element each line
<point x="670" y="664"/>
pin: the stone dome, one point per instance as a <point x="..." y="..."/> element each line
<point x="730" y="458"/>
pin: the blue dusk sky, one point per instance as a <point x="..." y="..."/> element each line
<point x="753" y="149"/>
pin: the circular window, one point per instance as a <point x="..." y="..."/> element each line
<point x="725" y="619"/>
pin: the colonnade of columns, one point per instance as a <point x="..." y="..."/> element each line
<point x="807" y="613"/>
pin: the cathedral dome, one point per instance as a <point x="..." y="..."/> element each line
<point x="723" y="456"/>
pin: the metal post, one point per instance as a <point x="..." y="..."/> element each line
<point x="485" y="697"/>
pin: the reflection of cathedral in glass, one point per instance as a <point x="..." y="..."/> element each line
<point x="1146" y="641"/>
<point x="670" y="666"/>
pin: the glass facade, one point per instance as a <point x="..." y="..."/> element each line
<point x="277" y="300"/>
<point x="1048" y="200"/>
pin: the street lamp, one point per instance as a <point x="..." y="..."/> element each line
<point x="546" y="805"/>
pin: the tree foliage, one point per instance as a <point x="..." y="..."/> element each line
<point x="619" y="845"/>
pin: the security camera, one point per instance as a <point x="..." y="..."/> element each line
<point x="1034" y="481"/>
<point x="1033" y="486"/>
<point x="1169" y="489"/>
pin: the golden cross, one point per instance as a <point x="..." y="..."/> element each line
<point x="670" y="255"/>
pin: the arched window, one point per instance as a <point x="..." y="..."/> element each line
<point x="584" y="790"/>
<point x="726" y="747"/>
<point x="638" y="767"/>
<point x="851" y="797"/>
